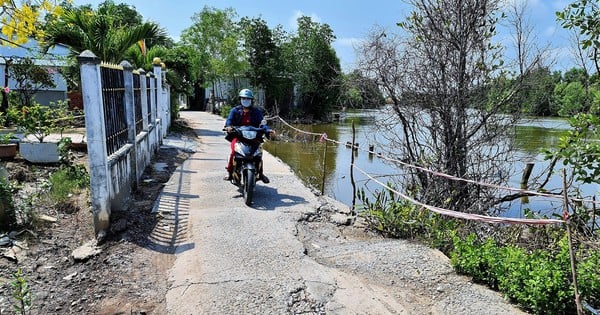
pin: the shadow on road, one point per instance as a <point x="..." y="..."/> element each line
<point x="173" y="211"/>
<point x="266" y="198"/>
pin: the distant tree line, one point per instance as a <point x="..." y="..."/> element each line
<point x="552" y="93"/>
<point x="299" y="72"/>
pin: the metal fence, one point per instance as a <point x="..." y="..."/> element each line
<point x="127" y="115"/>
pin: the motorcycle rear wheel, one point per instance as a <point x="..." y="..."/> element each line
<point x="249" y="183"/>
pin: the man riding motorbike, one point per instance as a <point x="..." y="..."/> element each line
<point x="245" y="114"/>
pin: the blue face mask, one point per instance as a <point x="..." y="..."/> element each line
<point x="246" y="102"/>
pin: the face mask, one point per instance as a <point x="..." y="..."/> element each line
<point x="246" y="102"/>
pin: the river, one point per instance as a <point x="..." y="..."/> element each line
<point x="306" y="159"/>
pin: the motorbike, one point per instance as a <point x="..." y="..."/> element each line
<point x="247" y="158"/>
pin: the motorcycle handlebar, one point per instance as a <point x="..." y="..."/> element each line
<point x="236" y="128"/>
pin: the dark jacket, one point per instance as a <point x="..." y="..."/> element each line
<point x="256" y="118"/>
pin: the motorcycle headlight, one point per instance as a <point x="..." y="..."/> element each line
<point x="249" y="134"/>
<point x="238" y="148"/>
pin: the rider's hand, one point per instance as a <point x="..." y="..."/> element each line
<point x="271" y="134"/>
<point x="228" y="128"/>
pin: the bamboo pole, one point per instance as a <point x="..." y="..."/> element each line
<point x="566" y="216"/>
<point x="352" y="169"/>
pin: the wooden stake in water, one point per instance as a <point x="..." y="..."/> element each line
<point x="352" y="169"/>
<point x="324" y="169"/>
<point x="566" y="217"/>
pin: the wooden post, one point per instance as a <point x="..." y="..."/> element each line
<point x="352" y="170"/>
<point x="324" y="169"/>
<point x="526" y="174"/>
<point x="593" y="214"/>
<point x="525" y="180"/>
<point x="566" y="216"/>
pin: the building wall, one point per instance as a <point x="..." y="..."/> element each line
<point x="54" y="60"/>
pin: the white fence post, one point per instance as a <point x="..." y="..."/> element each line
<point x="155" y="138"/>
<point x="144" y="98"/>
<point x="130" y="119"/>
<point x="91" y="88"/>
<point x="160" y="106"/>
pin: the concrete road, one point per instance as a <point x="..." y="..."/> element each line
<point x="272" y="258"/>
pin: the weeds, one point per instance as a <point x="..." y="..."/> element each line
<point x="530" y="265"/>
<point x="21" y="293"/>
<point x="69" y="177"/>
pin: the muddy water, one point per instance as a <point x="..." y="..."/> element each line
<point x="310" y="159"/>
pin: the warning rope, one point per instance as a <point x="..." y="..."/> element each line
<point x="323" y="137"/>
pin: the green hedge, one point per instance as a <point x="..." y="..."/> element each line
<point x="539" y="281"/>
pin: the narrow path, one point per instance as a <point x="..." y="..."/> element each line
<point x="282" y="256"/>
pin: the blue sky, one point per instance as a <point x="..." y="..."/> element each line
<point x="351" y="20"/>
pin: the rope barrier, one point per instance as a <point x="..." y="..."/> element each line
<point x="463" y="215"/>
<point x="512" y="189"/>
<point x="469" y="216"/>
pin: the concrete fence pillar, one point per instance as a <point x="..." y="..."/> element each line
<point x="91" y="90"/>
<point x="160" y="106"/>
<point x="144" y="98"/>
<point x="153" y="113"/>
<point x="130" y="119"/>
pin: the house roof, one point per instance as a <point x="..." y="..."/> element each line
<point x="56" y="55"/>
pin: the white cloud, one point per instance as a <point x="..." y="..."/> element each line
<point x="293" y="21"/>
<point x="550" y="31"/>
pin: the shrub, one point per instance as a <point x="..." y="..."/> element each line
<point x="396" y="217"/>
<point x="539" y="281"/>
<point x="225" y="110"/>
<point x="40" y="121"/>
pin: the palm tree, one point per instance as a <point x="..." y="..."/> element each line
<point x="84" y="29"/>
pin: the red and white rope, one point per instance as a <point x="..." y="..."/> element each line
<point x="517" y="190"/>
<point x="463" y="215"/>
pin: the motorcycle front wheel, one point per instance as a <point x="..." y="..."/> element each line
<point x="249" y="183"/>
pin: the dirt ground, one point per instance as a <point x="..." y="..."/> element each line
<point x="124" y="277"/>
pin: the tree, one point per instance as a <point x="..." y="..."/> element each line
<point x="123" y="14"/>
<point x="570" y="98"/>
<point x="445" y="100"/>
<point x="214" y="36"/>
<point x="30" y="78"/>
<point x="105" y="35"/>
<point x="584" y="17"/>
<point x="522" y="36"/>
<point x="359" y="91"/>
<point x="20" y="23"/>
<point x="315" y="67"/>
<point x="265" y="63"/>
<point x="180" y="62"/>
<point x="537" y="91"/>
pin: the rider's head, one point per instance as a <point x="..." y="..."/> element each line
<point x="246" y="97"/>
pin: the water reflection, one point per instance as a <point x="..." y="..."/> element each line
<point x="309" y="161"/>
<point x="530" y="139"/>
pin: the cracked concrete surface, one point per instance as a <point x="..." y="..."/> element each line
<point x="280" y="257"/>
